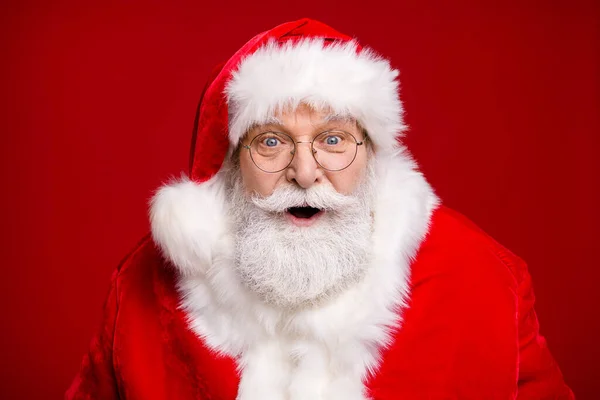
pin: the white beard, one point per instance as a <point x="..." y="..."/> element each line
<point x="289" y="266"/>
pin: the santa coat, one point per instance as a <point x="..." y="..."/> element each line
<point x="469" y="331"/>
<point x="444" y="312"/>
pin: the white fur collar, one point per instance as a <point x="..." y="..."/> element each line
<point x="322" y="353"/>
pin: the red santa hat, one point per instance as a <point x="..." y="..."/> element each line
<point x="304" y="61"/>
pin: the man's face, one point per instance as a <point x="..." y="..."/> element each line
<point x="303" y="125"/>
<point x="288" y="258"/>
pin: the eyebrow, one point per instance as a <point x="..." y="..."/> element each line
<point x="265" y="122"/>
<point x="327" y="120"/>
<point x="338" y="118"/>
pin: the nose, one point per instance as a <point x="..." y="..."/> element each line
<point x="304" y="170"/>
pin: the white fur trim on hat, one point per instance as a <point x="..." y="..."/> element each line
<point x="338" y="76"/>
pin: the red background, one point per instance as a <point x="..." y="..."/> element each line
<point x="97" y="109"/>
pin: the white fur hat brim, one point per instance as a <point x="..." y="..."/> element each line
<point x="339" y="76"/>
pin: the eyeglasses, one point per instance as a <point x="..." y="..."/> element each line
<point x="274" y="151"/>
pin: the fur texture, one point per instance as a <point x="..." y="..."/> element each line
<point x="339" y="76"/>
<point x="324" y="352"/>
<point x="187" y="221"/>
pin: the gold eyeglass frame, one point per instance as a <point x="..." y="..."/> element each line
<point x="312" y="147"/>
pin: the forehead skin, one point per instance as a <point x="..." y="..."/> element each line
<point x="318" y="120"/>
<point x="303" y="124"/>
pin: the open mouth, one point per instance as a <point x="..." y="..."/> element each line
<point x="303" y="216"/>
<point x="303" y="212"/>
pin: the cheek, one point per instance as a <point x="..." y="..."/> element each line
<point x="346" y="181"/>
<point x="255" y="180"/>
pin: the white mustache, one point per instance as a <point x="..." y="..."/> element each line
<point x="323" y="197"/>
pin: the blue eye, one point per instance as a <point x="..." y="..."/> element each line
<point x="271" y="142"/>
<point x="332" y="140"/>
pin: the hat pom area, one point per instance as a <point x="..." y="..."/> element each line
<point x="188" y="222"/>
<point x="337" y="75"/>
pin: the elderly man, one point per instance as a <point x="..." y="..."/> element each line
<point x="307" y="258"/>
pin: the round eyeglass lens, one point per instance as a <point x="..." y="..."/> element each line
<point x="334" y="150"/>
<point x="272" y="151"/>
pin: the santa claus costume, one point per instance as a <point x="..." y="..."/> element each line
<point x="443" y="311"/>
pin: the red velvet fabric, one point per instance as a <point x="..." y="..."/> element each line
<point x="469" y="332"/>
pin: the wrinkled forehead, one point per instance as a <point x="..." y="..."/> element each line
<point x="304" y="114"/>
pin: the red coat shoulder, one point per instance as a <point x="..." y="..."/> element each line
<point x="145" y="349"/>
<point x="469" y="330"/>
